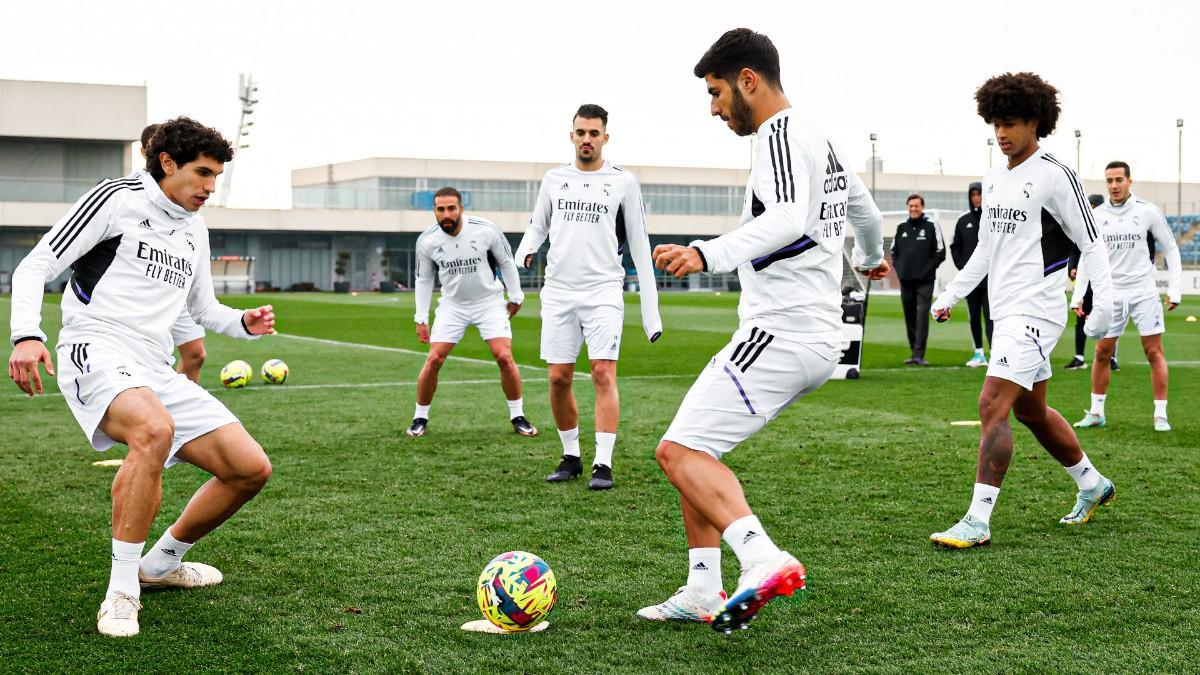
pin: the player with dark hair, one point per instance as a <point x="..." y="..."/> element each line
<point x="139" y="254"/>
<point x="788" y="255"/>
<point x="1033" y="209"/>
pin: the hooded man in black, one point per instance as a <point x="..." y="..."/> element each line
<point x="966" y="238"/>
<point x="917" y="250"/>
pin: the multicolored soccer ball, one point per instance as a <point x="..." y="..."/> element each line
<point x="516" y="591"/>
<point x="274" y="371"/>
<point x="236" y="374"/>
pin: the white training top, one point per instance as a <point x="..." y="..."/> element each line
<point x="137" y="258"/>
<point x="788" y="250"/>
<point x="1125" y="228"/>
<point x="590" y="217"/>
<point x="467" y="264"/>
<point x="1031" y="214"/>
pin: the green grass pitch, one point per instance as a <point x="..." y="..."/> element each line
<point x="362" y="553"/>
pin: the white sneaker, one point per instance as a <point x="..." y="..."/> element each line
<point x="685" y="605"/>
<point x="1161" y="424"/>
<point x="187" y="575"/>
<point x="758" y="585"/>
<point x="118" y="616"/>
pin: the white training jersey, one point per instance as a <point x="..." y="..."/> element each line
<point x="788" y="250"/>
<point x="1125" y="229"/>
<point x="466" y="264"/>
<point x="590" y="218"/>
<point x="1031" y="215"/>
<point x="137" y="260"/>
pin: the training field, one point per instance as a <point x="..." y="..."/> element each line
<point x="362" y="552"/>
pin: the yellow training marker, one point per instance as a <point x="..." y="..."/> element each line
<point x="966" y="423"/>
<point x="108" y="462"/>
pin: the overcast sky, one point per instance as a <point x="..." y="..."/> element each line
<point x="499" y="81"/>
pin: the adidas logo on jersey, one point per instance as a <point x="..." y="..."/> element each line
<point x="835" y="171"/>
<point x="145" y="224"/>
<point x="565" y="186"/>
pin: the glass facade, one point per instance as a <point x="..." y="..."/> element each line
<point x="39" y="170"/>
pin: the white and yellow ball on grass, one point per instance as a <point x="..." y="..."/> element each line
<point x="236" y="374"/>
<point x="516" y="591"/>
<point x="274" y="371"/>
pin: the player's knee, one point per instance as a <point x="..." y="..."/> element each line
<point x="505" y="360"/>
<point x="152" y="439"/>
<point x="435" y="360"/>
<point x="1104" y="350"/>
<point x="259" y="475"/>
<point x="664" y="454"/>
<point x="195" y="356"/>
<point x="604" y="378"/>
<point x="1154" y="355"/>
<point x="561" y="380"/>
<point x="1029" y="416"/>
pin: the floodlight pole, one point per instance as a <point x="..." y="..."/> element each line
<point x="1179" y="175"/>
<point x="247" y="91"/>
<point x="1078" y="143"/>
<point x="874" y="138"/>
<point x="991" y="144"/>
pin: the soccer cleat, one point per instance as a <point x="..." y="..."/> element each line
<point x="1161" y="424"/>
<point x="968" y="532"/>
<point x="910" y="361"/>
<point x="920" y="361"/>
<point x="685" y="605"/>
<point x="601" y="477"/>
<point x="1086" y="502"/>
<point x="1112" y="364"/>
<point x="418" y="427"/>
<point x="523" y="427"/>
<point x="1077" y="363"/>
<point x="758" y="585"/>
<point x="187" y="575"/>
<point x="118" y="616"/>
<point x="977" y="360"/>
<point x="1090" y="420"/>
<point x="568" y="468"/>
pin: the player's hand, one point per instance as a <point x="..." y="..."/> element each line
<point x="1171" y="305"/>
<point x="23" y="365"/>
<point x="513" y="308"/>
<point x="1078" y="309"/>
<point x="678" y="261"/>
<point x="1071" y="273"/>
<point x="942" y="314"/>
<point x="879" y="272"/>
<point x="423" y="332"/>
<point x="260" y="320"/>
<point x="528" y="261"/>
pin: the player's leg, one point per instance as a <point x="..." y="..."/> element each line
<point x="703" y="595"/>
<point x="1101" y="376"/>
<point x="924" y="299"/>
<point x="427" y="382"/>
<point x="510" y="382"/>
<point x="908" y="303"/>
<point x="566" y="419"/>
<point x="608" y="416"/>
<point x="1152" y="345"/>
<point x="1080" y="360"/>
<point x="191" y="358"/>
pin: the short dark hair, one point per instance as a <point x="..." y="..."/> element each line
<point x="449" y="192"/>
<point x="1095" y="200"/>
<point x="1119" y="165"/>
<point x="737" y="49"/>
<point x="915" y="196"/>
<point x="591" y="111"/>
<point x="148" y="133"/>
<point x="1019" y="96"/>
<point x="185" y="139"/>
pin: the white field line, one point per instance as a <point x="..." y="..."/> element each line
<point x="394" y="350"/>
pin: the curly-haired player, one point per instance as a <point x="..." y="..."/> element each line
<point x="1033" y="209"/>
<point x="139" y="255"/>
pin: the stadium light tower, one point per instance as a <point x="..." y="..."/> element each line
<point x="991" y="144"/>
<point x="1179" y="176"/>
<point x="1078" y="143"/>
<point x="248" y="97"/>
<point x="874" y="138"/>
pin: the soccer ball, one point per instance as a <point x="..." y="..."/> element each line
<point x="274" y="371"/>
<point x="516" y="591"/>
<point x="236" y="374"/>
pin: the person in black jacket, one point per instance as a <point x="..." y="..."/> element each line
<point x="966" y="238"/>
<point x="917" y="250"/>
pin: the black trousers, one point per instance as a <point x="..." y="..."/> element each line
<point x="977" y="308"/>
<point x="1080" y="336"/>
<point x="915" y="297"/>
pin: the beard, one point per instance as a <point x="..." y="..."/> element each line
<point x="449" y="225"/>
<point x="589" y="159"/>
<point x="741" y="115"/>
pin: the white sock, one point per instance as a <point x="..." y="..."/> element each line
<point x="1098" y="404"/>
<point x="983" y="501"/>
<point x="165" y="557"/>
<point x="604" y="448"/>
<point x="749" y="541"/>
<point x="516" y="408"/>
<point x="704" y="571"/>
<point x="979" y="351"/>
<point x="1080" y="357"/>
<point x="570" y="441"/>
<point x="1160" y="408"/>
<point x="124" y="575"/>
<point x="1086" y="476"/>
<point x="422" y="411"/>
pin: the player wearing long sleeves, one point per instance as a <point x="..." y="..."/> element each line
<point x="139" y="255"/>
<point x="1033" y="209"/>
<point x="788" y="253"/>
<point x="466" y="254"/>
<point x="591" y="210"/>
<point x="1126" y="223"/>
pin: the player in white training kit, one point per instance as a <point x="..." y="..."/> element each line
<point x="139" y="253"/>
<point x="788" y="254"/>
<point x="1127" y="224"/>
<point x="466" y="253"/>
<point x="1033" y="209"/>
<point x="591" y="210"/>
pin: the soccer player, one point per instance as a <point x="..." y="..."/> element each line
<point x="966" y="238"/>
<point x="788" y="255"/>
<point x="1033" y="209"/>
<point x="1127" y="223"/>
<point x="592" y="211"/>
<point x="139" y="254"/>
<point x="466" y="253"/>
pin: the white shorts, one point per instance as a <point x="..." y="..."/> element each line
<point x="1147" y="316"/>
<point x="450" y="320"/>
<point x="1021" y="347"/>
<point x="185" y="329"/>
<point x="750" y="381"/>
<point x="570" y="319"/>
<point x="90" y="375"/>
